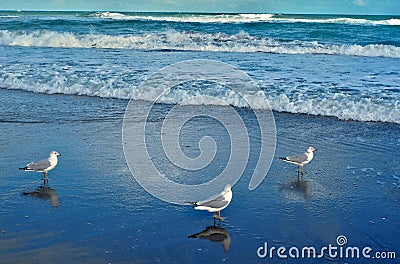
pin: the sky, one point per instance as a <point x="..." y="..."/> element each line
<point x="391" y="7"/>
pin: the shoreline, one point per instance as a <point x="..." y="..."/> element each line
<point x="121" y="100"/>
<point x="103" y="214"/>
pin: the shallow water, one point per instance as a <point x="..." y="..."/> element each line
<point x="347" y="87"/>
<point x="351" y="188"/>
<point x="329" y="65"/>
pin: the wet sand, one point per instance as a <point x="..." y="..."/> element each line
<point x="351" y="188"/>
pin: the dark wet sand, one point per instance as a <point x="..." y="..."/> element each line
<point x="351" y="188"/>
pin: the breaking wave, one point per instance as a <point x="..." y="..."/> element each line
<point x="359" y="107"/>
<point x="242" y="18"/>
<point x="191" y="41"/>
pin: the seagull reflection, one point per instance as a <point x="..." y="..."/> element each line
<point x="299" y="184"/>
<point x="215" y="234"/>
<point x="45" y="193"/>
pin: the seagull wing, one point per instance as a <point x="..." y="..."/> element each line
<point x="216" y="201"/>
<point x="217" y="197"/>
<point x="297" y="159"/>
<point x="39" y="166"/>
<point x="214" y="204"/>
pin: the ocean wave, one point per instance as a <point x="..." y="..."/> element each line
<point x="9" y="16"/>
<point x="112" y="15"/>
<point x="242" y="18"/>
<point x="340" y="105"/>
<point x="345" y="106"/>
<point x="190" y="41"/>
<point x="344" y="20"/>
<point x="190" y="18"/>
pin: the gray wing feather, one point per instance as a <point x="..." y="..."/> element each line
<point x="39" y="166"/>
<point x="298" y="158"/>
<point x="216" y="197"/>
<point x="214" y="203"/>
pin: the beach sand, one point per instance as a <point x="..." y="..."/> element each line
<point x="102" y="215"/>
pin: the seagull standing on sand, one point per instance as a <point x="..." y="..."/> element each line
<point x="215" y="203"/>
<point x="301" y="159"/>
<point x="44" y="166"/>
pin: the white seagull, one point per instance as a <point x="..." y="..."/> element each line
<point x="215" y="203"/>
<point x="301" y="159"/>
<point x="43" y="166"/>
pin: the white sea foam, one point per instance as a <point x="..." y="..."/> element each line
<point x="190" y="41"/>
<point x="340" y="105"/>
<point x="242" y="18"/>
<point x="343" y="20"/>
<point x="190" y="18"/>
<point x="393" y="22"/>
<point x="112" y="15"/>
<point x="345" y="107"/>
<point x="9" y="16"/>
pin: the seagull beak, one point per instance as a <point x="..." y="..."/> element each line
<point x="59" y="154"/>
<point x="314" y="150"/>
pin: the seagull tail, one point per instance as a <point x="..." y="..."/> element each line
<point x="283" y="158"/>
<point x="194" y="204"/>
<point x="26" y="168"/>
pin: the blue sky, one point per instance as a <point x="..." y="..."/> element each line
<point x="241" y="6"/>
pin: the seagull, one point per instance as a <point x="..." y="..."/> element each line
<point x="44" y="166"/>
<point x="215" y="203"/>
<point x="301" y="159"/>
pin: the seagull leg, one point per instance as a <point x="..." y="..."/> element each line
<point x="46" y="179"/>
<point x="219" y="216"/>
<point x="215" y="216"/>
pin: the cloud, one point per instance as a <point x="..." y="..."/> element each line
<point x="359" y="3"/>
